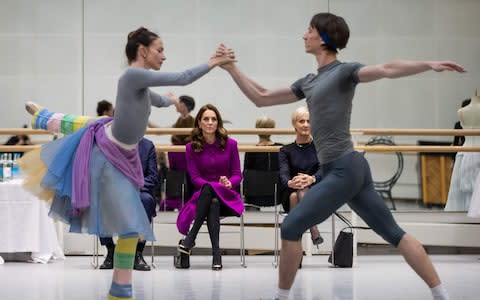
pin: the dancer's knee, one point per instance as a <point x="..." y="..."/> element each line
<point x="290" y="231"/>
<point x="393" y="236"/>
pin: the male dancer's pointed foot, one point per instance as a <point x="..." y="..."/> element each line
<point x="32" y="107"/>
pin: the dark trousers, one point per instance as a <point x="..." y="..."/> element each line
<point x="346" y="180"/>
<point x="208" y="207"/>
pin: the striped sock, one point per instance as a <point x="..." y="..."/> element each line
<point x="58" y="122"/>
<point x="123" y="259"/>
<point x="125" y="252"/>
<point x="120" y="291"/>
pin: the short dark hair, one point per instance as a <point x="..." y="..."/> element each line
<point x="13" y="140"/>
<point x="188" y="101"/>
<point x="103" y="106"/>
<point x="334" y="27"/>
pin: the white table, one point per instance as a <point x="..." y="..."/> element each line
<point x="25" y="225"/>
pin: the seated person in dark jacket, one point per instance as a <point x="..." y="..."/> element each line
<point x="177" y="160"/>
<point x="298" y="161"/>
<point x="148" y="157"/>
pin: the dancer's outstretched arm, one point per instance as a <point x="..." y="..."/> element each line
<point x="259" y="95"/>
<point x="402" y="68"/>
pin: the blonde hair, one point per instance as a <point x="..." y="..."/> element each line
<point x="300" y="112"/>
<point x="265" y="122"/>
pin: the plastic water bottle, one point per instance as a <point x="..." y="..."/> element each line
<point x="7" y="167"/>
<point x="15" y="168"/>
<point x="1" y="168"/>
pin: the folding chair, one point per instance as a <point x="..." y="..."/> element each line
<point x="176" y="185"/>
<point x="95" y="264"/>
<point x="384" y="188"/>
<point x="260" y="184"/>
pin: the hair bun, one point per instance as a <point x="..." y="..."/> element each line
<point x="136" y="32"/>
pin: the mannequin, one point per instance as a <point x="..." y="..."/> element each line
<point x="464" y="194"/>
<point x="470" y="119"/>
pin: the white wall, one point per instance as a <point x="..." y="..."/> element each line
<point x="41" y="55"/>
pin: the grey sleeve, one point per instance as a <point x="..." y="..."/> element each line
<point x="297" y="88"/>
<point x="140" y="78"/>
<point x="159" y="100"/>
<point x="353" y="71"/>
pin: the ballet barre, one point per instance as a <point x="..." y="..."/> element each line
<point x="354" y="131"/>
<point x="280" y="131"/>
<point x="253" y="148"/>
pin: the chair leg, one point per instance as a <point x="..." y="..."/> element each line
<point x="152" y="250"/>
<point x="333" y="239"/>
<point x="95" y="262"/>
<point x="242" y="242"/>
<point x="276" y="250"/>
<point x="389" y="193"/>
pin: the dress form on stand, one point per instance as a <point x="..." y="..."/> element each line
<point x="470" y="119"/>
<point x="464" y="193"/>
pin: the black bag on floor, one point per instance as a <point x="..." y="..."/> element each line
<point x="181" y="260"/>
<point x="343" y="248"/>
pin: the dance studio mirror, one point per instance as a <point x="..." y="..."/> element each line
<point x="72" y="61"/>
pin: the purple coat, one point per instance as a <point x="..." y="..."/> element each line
<point x="206" y="167"/>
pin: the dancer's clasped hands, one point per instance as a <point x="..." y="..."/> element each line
<point x="223" y="56"/>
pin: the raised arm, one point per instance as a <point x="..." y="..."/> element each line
<point x="402" y="68"/>
<point x="259" y="95"/>
<point x="142" y="78"/>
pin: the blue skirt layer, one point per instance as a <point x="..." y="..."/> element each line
<point x="115" y="206"/>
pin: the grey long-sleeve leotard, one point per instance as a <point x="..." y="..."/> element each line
<point x="134" y="99"/>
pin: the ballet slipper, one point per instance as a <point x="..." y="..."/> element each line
<point x="32" y="107"/>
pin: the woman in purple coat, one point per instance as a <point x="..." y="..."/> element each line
<point x="213" y="164"/>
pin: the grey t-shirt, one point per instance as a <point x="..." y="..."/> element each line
<point x="134" y="99"/>
<point x="329" y="95"/>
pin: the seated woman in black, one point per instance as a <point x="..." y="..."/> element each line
<point x="298" y="161"/>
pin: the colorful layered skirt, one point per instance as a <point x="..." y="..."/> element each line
<point x="113" y="208"/>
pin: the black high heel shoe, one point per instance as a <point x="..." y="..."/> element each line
<point x="217" y="261"/>
<point x="317" y="241"/>
<point x="182" y="259"/>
